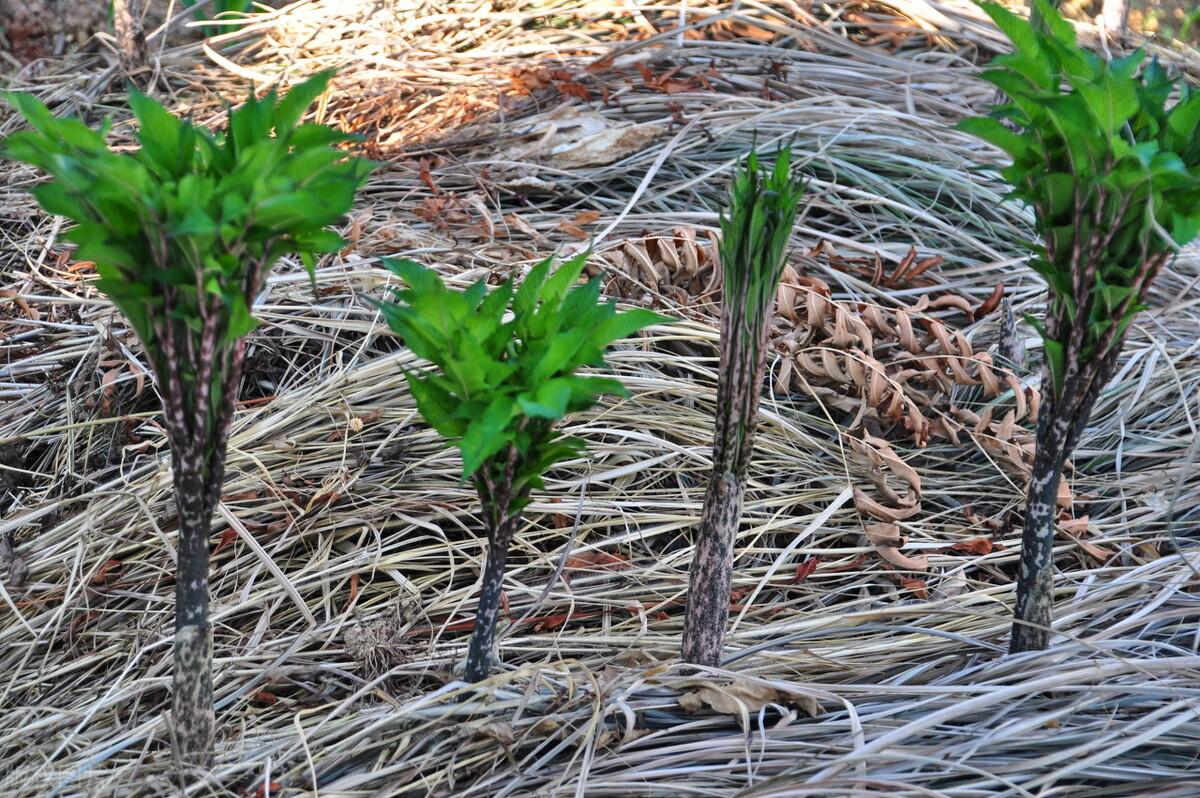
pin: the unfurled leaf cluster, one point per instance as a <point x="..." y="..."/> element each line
<point x="1107" y="153"/>
<point x="755" y="231"/>
<point x="504" y="365"/>
<point x="192" y="215"/>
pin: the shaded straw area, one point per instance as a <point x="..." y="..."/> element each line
<point x="347" y="554"/>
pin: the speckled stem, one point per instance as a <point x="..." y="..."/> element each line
<point x="483" y="638"/>
<point x="743" y="364"/>
<point x="193" y="701"/>
<point x="712" y="572"/>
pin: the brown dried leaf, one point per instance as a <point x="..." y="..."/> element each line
<point x="1066" y="498"/>
<point x="884" y="534"/>
<point x="586" y="217"/>
<point x="976" y="546"/>
<point x="499" y="730"/>
<point x="744" y="699"/>
<point x="1076" y="529"/>
<point x="597" y="560"/>
<point x="868" y="506"/>
<point x="573" y="230"/>
<point x="918" y="562"/>
<point x="570" y="88"/>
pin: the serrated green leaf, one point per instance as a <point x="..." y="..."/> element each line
<point x="549" y="400"/>
<point x="485" y="436"/>
<point x="1111" y="100"/>
<point x="991" y="131"/>
<point x="297" y="101"/>
<point x="166" y="147"/>
<point x="624" y="324"/>
<point x="1015" y="28"/>
<point x="526" y="297"/>
<point x="566" y="275"/>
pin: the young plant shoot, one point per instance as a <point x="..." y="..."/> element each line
<point x="754" y="237"/>
<point x="1107" y="155"/>
<point x="183" y="232"/>
<point x="503" y="374"/>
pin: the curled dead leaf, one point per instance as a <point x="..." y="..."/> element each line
<point x="976" y="546"/>
<point x="1065" y="499"/>
<point x="868" y="506"/>
<point x="918" y="562"/>
<point x="744" y="699"/>
<point x="884" y="534"/>
<point x="806" y="569"/>
<point x="499" y="730"/>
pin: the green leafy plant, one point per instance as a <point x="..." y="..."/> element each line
<point x="215" y="9"/>
<point x="183" y="232"/>
<point x="754" y="237"/>
<point x="1107" y="155"/>
<point x="504" y="372"/>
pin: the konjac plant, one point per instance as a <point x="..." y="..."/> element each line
<point x="183" y="232"/>
<point x="754" y="237"/>
<point x="1107" y="155"/>
<point x="503" y="371"/>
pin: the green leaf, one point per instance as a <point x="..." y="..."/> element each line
<point x="1053" y="351"/>
<point x="486" y="435"/>
<point x="437" y="406"/>
<point x="503" y="382"/>
<point x="622" y="325"/>
<point x="163" y="136"/>
<point x="1112" y="101"/>
<point x="1185" y="118"/>
<point x="566" y="275"/>
<point x="549" y="401"/>
<point x="526" y="297"/>
<point x="1113" y="296"/>
<point x="189" y="215"/>
<point x="1054" y="23"/>
<point x="297" y="101"/>
<point x="286" y="210"/>
<point x="33" y="110"/>
<point x="991" y="131"/>
<point x="196" y="222"/>
<point x="240" y="321"/>
<point x="1058" y="188"/>
<point x="1015" y="28"/>
<point x="416" y="276"/>
<point x="319" y="241"/>
<point x="1185" y="227"/>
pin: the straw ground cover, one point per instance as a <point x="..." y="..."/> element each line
<point x="347" y="555"/>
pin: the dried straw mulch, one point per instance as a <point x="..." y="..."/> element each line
<point x="875" y="567"/>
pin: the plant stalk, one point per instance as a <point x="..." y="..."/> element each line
<point x="743" y="364"/>
<point x="1035" y="580"/>
<point x="483" y="638"/>
<point x="712" y="572"/>
<point x="199" y="430"/>
<point x="194" y="717"/>
<point x="1060" y="425"/>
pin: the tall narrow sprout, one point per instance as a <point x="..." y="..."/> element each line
<point x="754" y="237"/>
<point x="1107" y="155"/>
<point x="182" y="233"/>
<point x="503" y="373"/>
